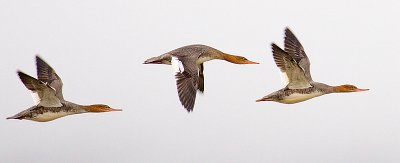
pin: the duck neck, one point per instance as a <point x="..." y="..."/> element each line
<point x="324" y="87"/>
<point x="76" y="108"/>
<point x="90" y="108"/>
<point x="81" y="108"/>
<point x="229" y="58"/>
<point x="339" y="89"/>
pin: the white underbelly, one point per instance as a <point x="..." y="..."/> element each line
<point x="298" y="97"/>
<point x="48" y="116"/>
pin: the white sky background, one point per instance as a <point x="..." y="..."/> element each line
<point x="98" y="48"/>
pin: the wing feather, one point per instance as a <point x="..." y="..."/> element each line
<point x="289" y="68"/>
<point x="187" y="83"/>
<point x="294" y="48"/>
<point x="47" y="75"/>
<point x="45" y="93"/>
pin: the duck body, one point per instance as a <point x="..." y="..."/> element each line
<point x="188" y="62"/>
<point x="40" y="113"/>
<point x="295" y="67"/>
<point x="291" y="96"/>
<point x="197" y="52"/>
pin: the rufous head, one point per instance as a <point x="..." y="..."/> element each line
<point x="100" y="108"/>
<point x="238" y="59"/>
<point x="348" y="88"/>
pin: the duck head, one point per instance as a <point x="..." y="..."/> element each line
<point x="100" y="108"/>
<point x="238" y="59"/>
<point x="348" y="88"/>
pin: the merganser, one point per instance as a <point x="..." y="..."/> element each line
<point x="295" y="66"/>
<point x="47" y="94"/>
<point x="188" y="63"/>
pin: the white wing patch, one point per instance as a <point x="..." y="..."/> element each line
<point x="177" y="65"/>
<point x="284" y="78"/>
<point x="35" y="97"/>
<point x="52" y="87"/>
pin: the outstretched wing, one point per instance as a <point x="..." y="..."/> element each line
<point x="45" y="94"/>
<point x="186" y="81"/>
<point x="289" y="68"/>
<point x="294" y="48"/>
<point x="47" y="75"/>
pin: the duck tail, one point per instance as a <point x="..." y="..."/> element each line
<point x="15" y="117"/>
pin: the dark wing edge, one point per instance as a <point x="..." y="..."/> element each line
<point x="186" y="90"/>
<point x="279" y="56"/>
<point x="47" y="75"/>
<point x="29" y="82"/>
<point x="294" y="48"/>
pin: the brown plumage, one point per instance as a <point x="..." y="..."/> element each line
<point x="50" y="103"/>
<point x="188" y="61"/>
<point x="295" y="66"/>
